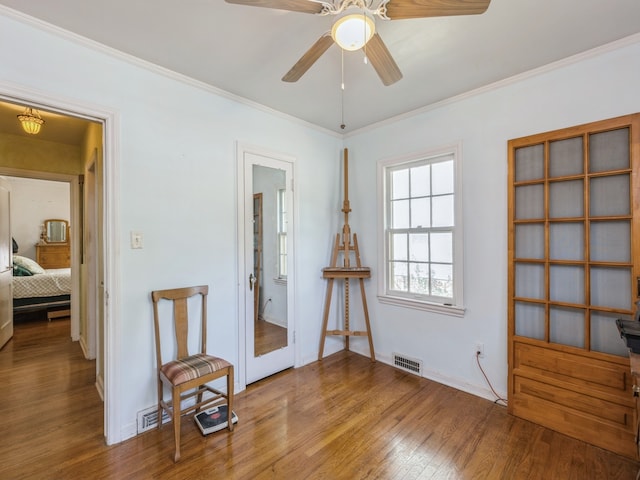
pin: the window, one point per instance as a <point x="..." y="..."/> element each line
<point x="421" y="260"/>
<point x="282" y="234"/>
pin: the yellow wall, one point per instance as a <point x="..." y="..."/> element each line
<point x="39" y="155"/>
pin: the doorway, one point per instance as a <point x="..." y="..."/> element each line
<point x="104" y="136"/>
<point x="266" y="273"/>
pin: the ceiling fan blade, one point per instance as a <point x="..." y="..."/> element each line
<point x="304" y="6"/>
<point x="308" y="59"/>
<point x="399" y="9"/>
<point x="381" y="59"/>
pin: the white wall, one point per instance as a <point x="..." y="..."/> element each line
<point x="32" y="202"/>
<point x="177" y="186"/>
<point x="594" y="88"/>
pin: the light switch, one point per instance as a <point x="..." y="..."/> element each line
<point x="136" y="239"/>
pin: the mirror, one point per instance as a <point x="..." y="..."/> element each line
<point x="55" y="231"/>
<point x="269" y="259"/>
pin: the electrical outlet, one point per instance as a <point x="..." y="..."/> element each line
<point x="479" y="350"/>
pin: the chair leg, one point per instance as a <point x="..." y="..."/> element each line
<point x="199" y="398"/>
<point x="176" y="422"/>
<point x="230" y="379"/>
<point x="159" y="403"/>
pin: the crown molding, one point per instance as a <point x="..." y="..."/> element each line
<point x="152" y="67"/>
<point x="559" y="64"/>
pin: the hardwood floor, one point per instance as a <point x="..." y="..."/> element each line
<point x="268" y="337"/>
<point x="342" y="418"/>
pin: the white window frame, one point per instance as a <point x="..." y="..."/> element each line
<point x="281" y="208"/>
<point x="456" y="307"/>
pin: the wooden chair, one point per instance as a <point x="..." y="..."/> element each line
<point x="187" y="376"/>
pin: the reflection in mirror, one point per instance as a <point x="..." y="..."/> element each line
<point x="270" y="260"/>
<point x="55" y="231"/>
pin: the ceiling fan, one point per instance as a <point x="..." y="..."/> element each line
<point x="354" y="27"/>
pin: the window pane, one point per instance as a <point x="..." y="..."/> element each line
<point x="529" y="202"/>
<point x="420" y="181"/>
<point x="567" y="283"/>
<point x="442" y="173"/>
<point x="566" y="199"/>
<point x="565" y="157"/>
<point x="530" y="163"/>
<point x="529" y="320"/>
<point x="399" y="184"/>
<point x="609" y="150"/>
<point x="442" y="280"/>
<point x="604" y="334"/>
<point x="566" y="241"/>
<point x="611" y="241"/>
<point x="420" y="212"/>
<point x="398" y="271"/>
<point x="400" y="214"/>
<point x="609" y="196"/>
<point x="442" y="247"/>
<point x="419" y="278"/>
<point x="399" y="246"/>
<point x="530" y="241"/>
<point x="419" y="247"/>
<point x="442" y="211"/>
<point x="566" y="326"/>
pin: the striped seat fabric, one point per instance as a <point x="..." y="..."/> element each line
<point x="193" y="366"/>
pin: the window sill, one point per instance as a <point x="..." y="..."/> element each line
<point x="452" y="310"/>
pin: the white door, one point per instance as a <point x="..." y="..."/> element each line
<point x="266" y="273"/>
<point x="6" y="267"/>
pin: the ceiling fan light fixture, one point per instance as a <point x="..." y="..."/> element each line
<point x="352" y="31"/>
<point x="31" y="121"/>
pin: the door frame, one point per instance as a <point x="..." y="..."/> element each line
<point x="241" y="151"/>
<point x="110" y="120"/>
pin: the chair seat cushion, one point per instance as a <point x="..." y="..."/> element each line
<point x="193" y="366"/>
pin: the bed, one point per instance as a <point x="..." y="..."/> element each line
<point x="35" y="288"/>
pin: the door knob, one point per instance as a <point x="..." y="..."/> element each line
<point x="252" y="281"/>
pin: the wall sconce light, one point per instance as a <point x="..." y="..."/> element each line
<point x="31" y="121"/>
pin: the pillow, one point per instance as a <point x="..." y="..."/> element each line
<point x="27" y="264"/>
<point x="19" y="271"/>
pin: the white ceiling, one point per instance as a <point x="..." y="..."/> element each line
<point x="246" y="50"/>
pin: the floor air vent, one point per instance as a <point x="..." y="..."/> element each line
<point x="412" y="365"/>
<point x="148" y="419"/>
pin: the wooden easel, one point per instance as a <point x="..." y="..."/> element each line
<point x="346" y="272"/>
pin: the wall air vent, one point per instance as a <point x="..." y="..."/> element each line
<point x="408" y="364"/>
<point x="148" y="419"/>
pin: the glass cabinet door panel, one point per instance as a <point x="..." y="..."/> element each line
<point x="529" y="202"/>
<point x="567" y="283"/>
<point x="530" y="280"/>
<point x="529" y="163"/>
<point x="610" y="241"/>
<point x="609" y="196"/>
<point x="609" y="150"/>
<point x="530" y="241"/>
<point x="566" y="241"/>
<point x="566" y="199"/>
<point x="566" y="326"/>
<point x="529" y="320"/>
<point x="566" y="157"/>
<point x="611" y="287"/>
<point x="604" y="334"/>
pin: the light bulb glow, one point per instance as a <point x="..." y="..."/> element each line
<point x="353" y="31"/>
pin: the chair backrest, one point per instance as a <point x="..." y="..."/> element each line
<point x="180" y="298"/>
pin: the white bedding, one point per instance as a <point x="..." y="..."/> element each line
<point x="55" y="281"/>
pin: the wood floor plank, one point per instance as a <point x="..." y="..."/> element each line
<point x="342" y="418"/>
